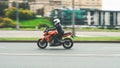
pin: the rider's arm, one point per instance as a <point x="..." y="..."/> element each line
<point x="52" y="28"/>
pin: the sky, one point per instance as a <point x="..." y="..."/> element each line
<point x="111" y="5"/>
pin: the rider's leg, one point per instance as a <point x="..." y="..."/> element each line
<point x="51" y="40"/>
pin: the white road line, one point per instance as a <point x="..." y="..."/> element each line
<point x="51" y="54"/>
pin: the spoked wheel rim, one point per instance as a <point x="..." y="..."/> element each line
<point x="42" y="45"/>
<point x="68" y="43"/>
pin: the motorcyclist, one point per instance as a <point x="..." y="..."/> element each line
<point x="59" y="29"/>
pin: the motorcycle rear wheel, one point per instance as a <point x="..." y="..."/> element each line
<point x="68" y="43"/>
<point x="42" y="45"/>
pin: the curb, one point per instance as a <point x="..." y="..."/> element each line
<point x="73" y="41"/>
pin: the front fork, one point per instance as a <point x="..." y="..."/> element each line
<point x="42" y="39"/>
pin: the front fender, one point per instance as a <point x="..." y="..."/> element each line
<point x="42" y="39"/>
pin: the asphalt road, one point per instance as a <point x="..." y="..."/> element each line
<point x="82" y="55"/>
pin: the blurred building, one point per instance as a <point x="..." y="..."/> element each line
<point x="49" y="5"/>
<point x="90" y="17"/>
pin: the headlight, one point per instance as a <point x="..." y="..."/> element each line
<point x="45" y="33"/>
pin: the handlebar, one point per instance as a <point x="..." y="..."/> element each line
<point x="48" y="29"/>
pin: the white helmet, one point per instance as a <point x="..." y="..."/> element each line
<point x="56" y="21"/>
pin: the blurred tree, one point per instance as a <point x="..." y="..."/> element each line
<point x="7" y="22"/>
<point x="3" y="6"/>
<point x="23" y="14"/>
<point x="11" y="12"/>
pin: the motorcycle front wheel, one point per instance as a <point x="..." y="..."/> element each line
<point x="43" y="44"/>
<point x="68" y="43"/>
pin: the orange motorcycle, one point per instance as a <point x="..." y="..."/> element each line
<point x="50" y="36"/>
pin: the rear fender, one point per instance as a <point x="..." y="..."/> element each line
<point x="67" y="34"/>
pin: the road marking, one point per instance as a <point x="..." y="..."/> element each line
<point x="51" y="54"/>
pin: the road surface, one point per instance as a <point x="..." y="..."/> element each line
<point x="82" y="55"/>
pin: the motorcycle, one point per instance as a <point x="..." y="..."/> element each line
<point x="50" y="36"/>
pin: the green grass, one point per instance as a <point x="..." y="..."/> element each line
<point x="18" y="39"/>
<point x="35" y="22"/>
<point x="96" y="38"/>
<point x="31" y="24"/>
<point x="7" y="28"/>
<point x="74" y="39"/>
